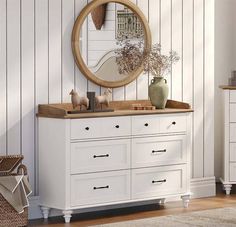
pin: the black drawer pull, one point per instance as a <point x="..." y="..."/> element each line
<point x="159" y="151"/>
<point x="146" y="125"/>
<point x="101" y="156"/>
<point x="87" y="128"/>
<point x="97" y="188"/>
<point x="158" y="181"/>
<point x="117" y="126"/>
<point x="173" y="123"/>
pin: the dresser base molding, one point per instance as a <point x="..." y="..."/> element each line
<point x="67" y="214"/>
<point x="200" y="188"/>
<point x="227" y="186"/>
<point x="203" y="187"/>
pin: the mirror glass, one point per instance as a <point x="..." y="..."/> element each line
<point x="105" y="30"/>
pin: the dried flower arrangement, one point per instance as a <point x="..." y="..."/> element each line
<point x="133" y="55"/>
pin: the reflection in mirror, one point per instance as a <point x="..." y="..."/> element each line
<point x="99" y="43"/>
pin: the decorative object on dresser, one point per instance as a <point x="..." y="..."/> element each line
<point x="103" y="70"/>
<point x="104" y="99"/>
<point x="229" y="126"/>
<point x="110" y="158"/>
<point x="98" y="16"/>
<point x="14" y="191"/>
<point x="78" y="101"/>
<point x="131" y="55"/>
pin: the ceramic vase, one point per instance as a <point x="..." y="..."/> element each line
<point x="99" y="16"/>
<point x="158" y="92"/>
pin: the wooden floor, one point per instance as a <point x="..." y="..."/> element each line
<point x="134" y="213"/>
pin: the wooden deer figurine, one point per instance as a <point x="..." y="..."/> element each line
<point x="104" y="99"/>
<point x="78" y="101"/>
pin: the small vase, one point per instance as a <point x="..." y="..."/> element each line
<point x="158" y="92"/>
<point x="99" y="16"/>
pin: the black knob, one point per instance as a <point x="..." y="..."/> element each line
<point x="146" y="125"/>
<point x="87" y="128"/>
<point x="173" y="123"/>
<point x="117" y="126"/>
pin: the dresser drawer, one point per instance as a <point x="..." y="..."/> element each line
<point x="155" y="151"/>
<point x="142" y="125"/>
<point x="232" y="96"/>
<point x="100" y="188"/>
<point x="100" y="156"/>
<point x="173" y="123"/>
<point x="232" y="132"/>
<point x="158" y="181"/>
<point x="232" y="112"/>
<point x="232" y="172"/>
<point x="100" y="127"/>
<point x="232" y="152"/>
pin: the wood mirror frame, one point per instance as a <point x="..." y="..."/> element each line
<point x="76" y="42"/>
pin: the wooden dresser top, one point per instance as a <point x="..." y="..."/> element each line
<point x="121" y="108"/>
<point x="227" y="87"/>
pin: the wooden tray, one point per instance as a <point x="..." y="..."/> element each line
<point x="121" y="108"/>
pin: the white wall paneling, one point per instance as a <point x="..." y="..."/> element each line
<point x="198" y="81"/>
<point x="3" y="77"/>
<point x="13" y="77"/>
<point x="209" y="45"/>
<point x="37" y="66"/>
<point x="27" y="85"/>
<point x="166" y="34"/>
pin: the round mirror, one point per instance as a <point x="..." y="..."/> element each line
<point x="102" y="28"/>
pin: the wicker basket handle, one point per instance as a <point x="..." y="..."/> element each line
<point x="22" y="169"/>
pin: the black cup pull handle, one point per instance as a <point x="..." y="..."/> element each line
<point x="146" y="125"/>
<point x="159" y="151"/>
<point x="158" y="181"/>
<point x="98" y="188"/>
<point x="101" y="156"/>
<point x="117" y="126"/>
<point x="173" y="123"/>
<point x="87" y="128"/>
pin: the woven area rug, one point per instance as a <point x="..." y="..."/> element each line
<point x="224" y="217"/>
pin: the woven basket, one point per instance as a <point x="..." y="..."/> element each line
<point x="8" y="216"/>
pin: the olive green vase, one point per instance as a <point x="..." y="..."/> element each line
<point x="158" y="92"/>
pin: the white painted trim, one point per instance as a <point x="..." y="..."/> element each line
<point x="203" y="187"/>
<point x="200" y="187"/>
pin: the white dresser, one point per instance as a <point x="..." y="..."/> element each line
<point x="229" y="126"/>
<point x="107" y="160"/>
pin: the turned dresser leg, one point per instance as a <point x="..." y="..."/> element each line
<point x="45" y="211"/>
<point x="67" y="215"/>
<point x="186" y="200"/>
<point x="227" y="188"/>
<point x="162" y="201"/>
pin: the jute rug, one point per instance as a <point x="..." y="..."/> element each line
<point x="223" y="217"/>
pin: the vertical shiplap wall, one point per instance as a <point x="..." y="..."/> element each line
<point x="36" y="66"/>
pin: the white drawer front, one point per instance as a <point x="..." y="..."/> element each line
<point x="233" y="152"/>
<point x="173" y="123"/>
<point x="232" y="112"/>
<point x="158" y="151"/>
<point x="100" y="156"/>
<point x="233" y="132"/>
<point x="100" y="127"/>
<point x="232" y="172"/>
<point x="232" y="96"/>
<point x="142" y="125"/>
<point x="158" y="181"/>
<point x="100" y="188"/>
